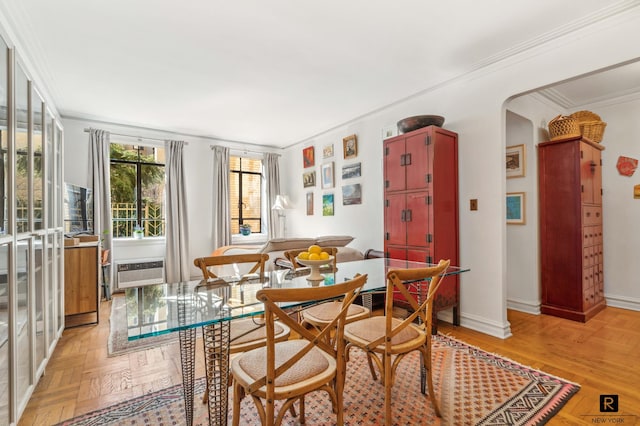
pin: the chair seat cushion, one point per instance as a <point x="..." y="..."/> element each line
<point x="369" y="329"/>
<point x="328" y="311"/>
<point x="249" y="330"/>
<point x="253" y="363"/>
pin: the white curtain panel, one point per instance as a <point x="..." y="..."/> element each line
<point x="221" y="217"/>
<point x="100" y="172"/>
<point x="177" y="265"/>
<point x="272" y="186"/>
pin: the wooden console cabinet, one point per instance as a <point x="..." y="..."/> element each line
<point x="571" y="254"/>
<point x="421" y="204"/>
<point x="81" y="284"/>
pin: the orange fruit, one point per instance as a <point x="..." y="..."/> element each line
<point x="303" y="255"/>
<point x="314" y="256"/>
<point x="324" y="255"/>
<point x="314" y="249"/>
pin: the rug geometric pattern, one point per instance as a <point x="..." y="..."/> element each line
<point x="473" y="387"/>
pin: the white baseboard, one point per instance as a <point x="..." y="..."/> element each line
<point x="525" y="306"/>
<point x="480" y="324"/>
<point x="623" y="302"/>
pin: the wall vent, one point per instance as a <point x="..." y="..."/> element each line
<point x="134" y="273"/>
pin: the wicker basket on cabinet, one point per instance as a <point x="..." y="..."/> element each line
<point x="563" y="126"/>
<point x="591" y="126"/>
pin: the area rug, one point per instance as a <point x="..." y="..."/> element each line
<point x="118" y="343"/>
<point x="474" y="388"/>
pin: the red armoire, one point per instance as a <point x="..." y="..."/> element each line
<point x="421" y="204"/>
<point x="571" y="255"/>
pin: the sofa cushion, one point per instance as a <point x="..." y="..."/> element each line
<point x="334" y="240"/>
<point x="281" y="244"/>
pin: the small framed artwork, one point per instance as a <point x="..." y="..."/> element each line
<point x="350" y="147"/>
<point x="515" y="208"/>
<point x="327" y="204"/>
<point x="351" y="194"/>
<point x="309" y="203"/>
<point x="308" y="157"/>
<point x="515" y="161"/>
<point x="327" y="175"/>
<point x="351" y="170"/>
<point x="309" y="179"/>
<point x="327" y="151"/>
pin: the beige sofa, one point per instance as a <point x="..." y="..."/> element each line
<point x="277" y="246"/>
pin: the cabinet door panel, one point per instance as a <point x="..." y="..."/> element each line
<point x="418" y="163"/>
<point x="418" y="222"/>
<point x="394" y="169"/>
<point x="395" y="226"/>
<point x="396" y="253"/>
<point x="418" y="255"/>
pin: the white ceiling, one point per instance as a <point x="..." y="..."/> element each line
<point x="271" y="72"/>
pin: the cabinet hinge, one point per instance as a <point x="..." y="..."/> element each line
<point x="386" y="150"/>
<point x="386" y="236"/>
<point x="386" y="183"/>
<point x="429" y="259"/>
<point x="581" y="188"/>
<point x="427" y="140"/>
<point x="428" y="200"/>
<point x="386" y="203"/>
<point x="581" y="154"/>
<point x="428" y="178"/>
<point x="429" y="238"/>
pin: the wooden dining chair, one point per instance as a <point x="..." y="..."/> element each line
<point x="387" y="339"/>
<point x="319" y="315"/>
<point x="246" y="333"/>
<point x="289" y="370"/>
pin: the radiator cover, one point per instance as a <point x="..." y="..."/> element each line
<point x="136" y="273"/>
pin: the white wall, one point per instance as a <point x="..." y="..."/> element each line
<point x="620" y="210"/>
<point x="474" y="108"/>
<point x="198" y="158"/>
<point x="522" y="256"/>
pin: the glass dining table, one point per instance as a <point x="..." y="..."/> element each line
<point x="211" y="305"/>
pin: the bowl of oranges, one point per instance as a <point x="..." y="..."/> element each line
<point x="314" y="257"/>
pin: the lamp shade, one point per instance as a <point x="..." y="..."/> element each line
<point x="281" y="203"/>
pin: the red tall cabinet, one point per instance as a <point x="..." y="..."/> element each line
<point x="421" y="204"/>
<point x="571" y="251"/>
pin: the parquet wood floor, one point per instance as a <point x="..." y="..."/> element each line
<point x="603" y="356"/>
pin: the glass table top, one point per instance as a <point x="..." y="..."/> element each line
<point x="170" y="307"/>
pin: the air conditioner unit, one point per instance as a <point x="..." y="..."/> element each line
<point x="136" y="273"/>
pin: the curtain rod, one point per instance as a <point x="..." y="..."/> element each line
<point x="133" y="136"/>
<point x="247" y="150"/>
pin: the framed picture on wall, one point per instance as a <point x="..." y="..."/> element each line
<point x="515" y="161"/>
<point x="309" y="203"/>
<point x="327" y="151"/>
<point x="515" y="208"/>
<point x="351" y="194"/>
<point x="309" y="179"/>
<point x="308" y="157"/>
<point x="327" y="204"/>
<point x="351" y="170"/>
<point x="327" y="175"/>
<point x="350" y="147"/>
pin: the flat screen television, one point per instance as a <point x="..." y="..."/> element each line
<point x="78" y="210"/>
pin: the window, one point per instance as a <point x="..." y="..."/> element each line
<point x="137" y="190"/>
<point x="245" y="182"/>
